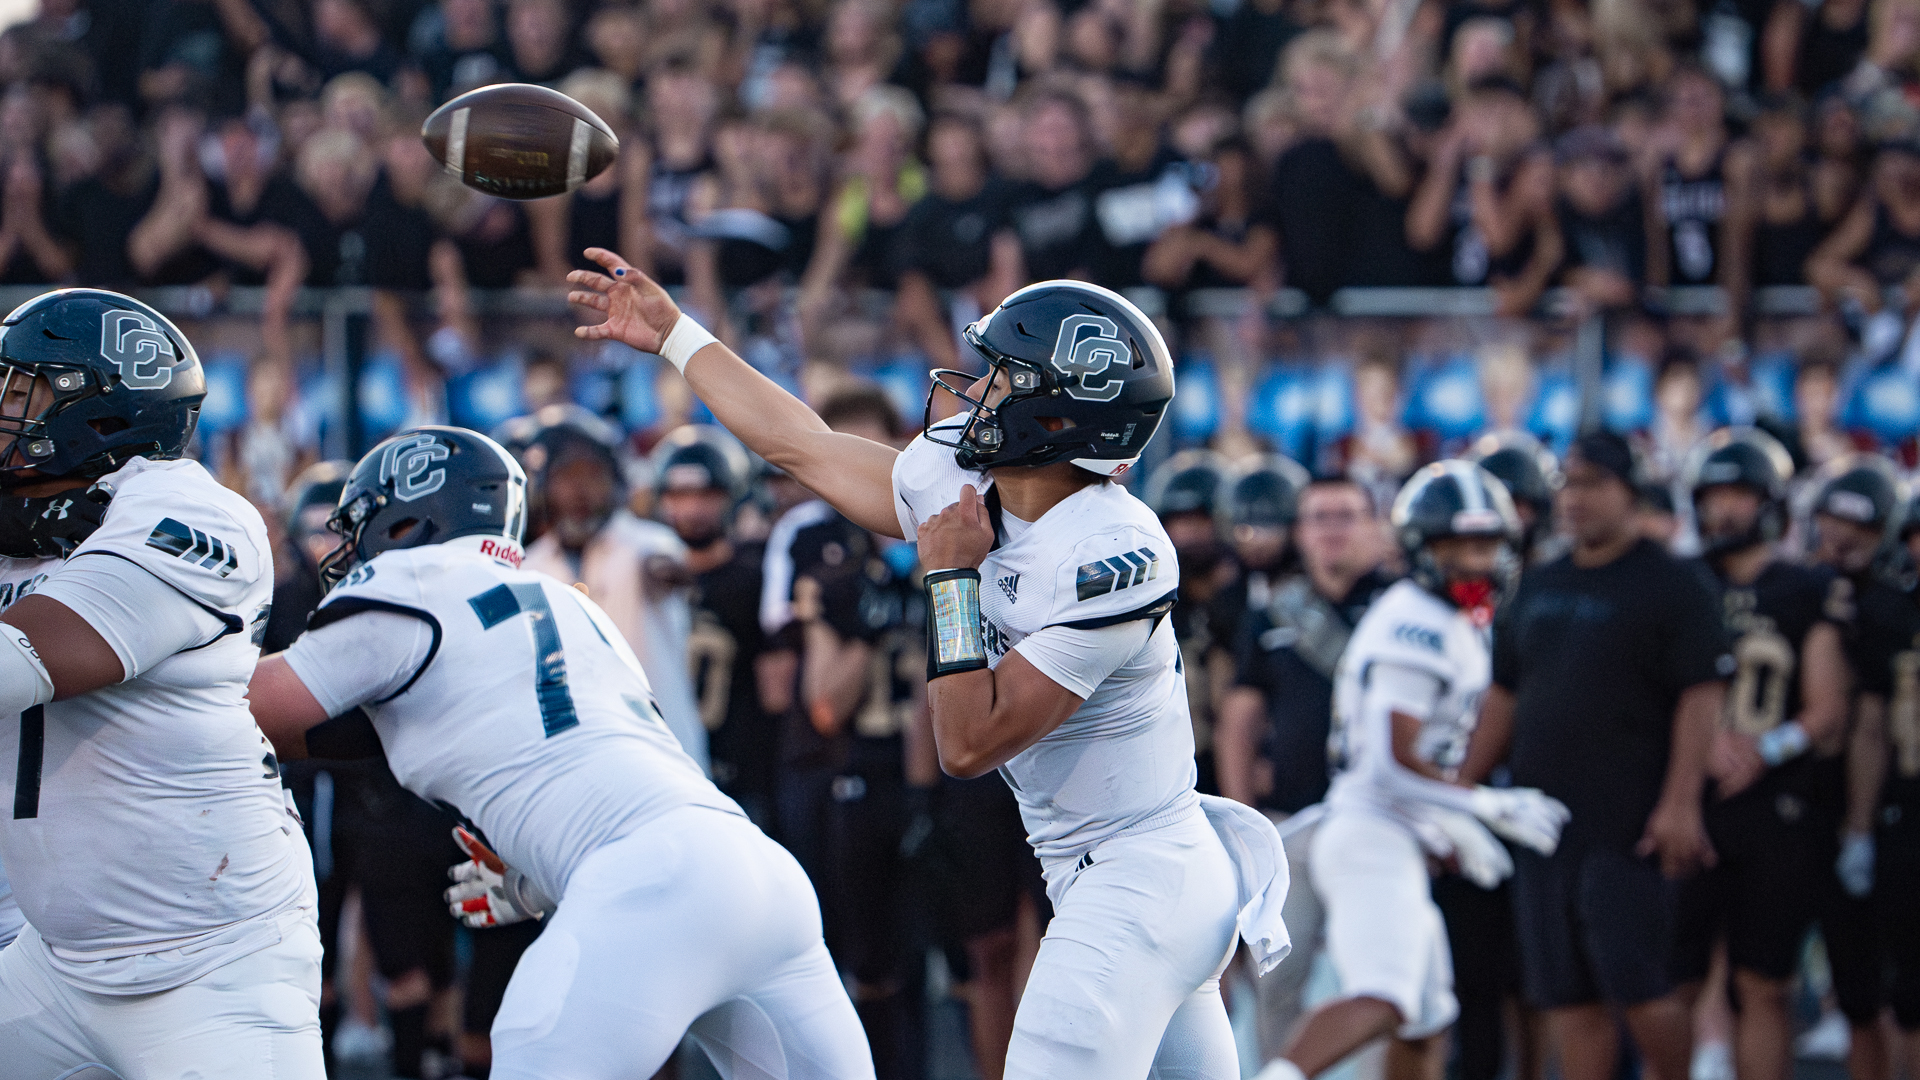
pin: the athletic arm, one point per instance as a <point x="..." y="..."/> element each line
<point x="853" y="474"/>
<point x="1236" y="744"/>
<point x="1825" y="680"/>
<point x="283" y="707"/>
<point x="1676" y="831"/>
<point x="101" y="620"/>
<point x="1491" y="736"/>
<point x="1395" y="704"/>
<point x="983" y="719"/>
<point x="1866" y="763"/>
<point x="332" y="670"/>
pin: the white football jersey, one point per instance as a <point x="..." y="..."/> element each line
<point x="505" y="694"/>
<point x="1098" y="558"/>
<point x="1411" y="628"/>
<point x="143" y="824"/>
<point x="18" y="577"/>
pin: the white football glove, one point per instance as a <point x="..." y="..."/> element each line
<point x="1449" y="834"/>
<point x="1526" y="816"/>
<point x="487" y="892"/>
<point x="1855" y="865"/>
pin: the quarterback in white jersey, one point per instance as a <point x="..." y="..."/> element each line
<point x="166" y="886"/>
<point x="513" y="697"/>
<point x="1406" y="698"/>
<point x="1049" y="655"/>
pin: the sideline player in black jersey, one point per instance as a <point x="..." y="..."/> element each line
<point x="1184" y="493"/>
<point x="863" y="690"/>
<point x="700" y="478"/>
<point x="1892" y="682"/>
<point x="1775" y="764"/>
<point x="1857" y="513"/>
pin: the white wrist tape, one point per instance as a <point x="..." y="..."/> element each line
<point x="1783" y="744"/>
<point x="24" y="681"/>
<point x="686" y="338"/>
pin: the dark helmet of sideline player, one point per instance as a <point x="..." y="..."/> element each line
<point x="1529" y="470"/>
<point x="1743" y="457"/>
<point x="1265" y="493"/>
<point x="1087" y="378"/>
<point x="567" y="435"/>
<point x="1458" y="499"/>
<point x="1864" y="491"/>
<point x="1187" y="483"/>
<point x="315" y="495"/>
<point x="427" y="485"/>
<point x="122" y="381"/>
<point x="702" y="457"/>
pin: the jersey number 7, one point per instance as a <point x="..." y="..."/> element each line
<point x="503" y="602"/>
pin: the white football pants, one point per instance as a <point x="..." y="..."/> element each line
<point x="258" y="1016"/>
<point x="1384" y="933"/>
<point x="1127" y="983"/>
<point x="697" y="924"/>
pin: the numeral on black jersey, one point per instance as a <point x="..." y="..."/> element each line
<point x="33" y="753"/>
<point x="503" y="602"/>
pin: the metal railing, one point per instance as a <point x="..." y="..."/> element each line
<point x="344" y="315"/>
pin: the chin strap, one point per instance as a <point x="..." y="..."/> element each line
<point x="51" y="526"/>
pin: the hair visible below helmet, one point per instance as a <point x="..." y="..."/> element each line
<point x="124" y="380"/>
<point x="1456" y="498"/>
<point x="702" y="457"/>
<point x="1742" y="457"/>
<point x="1069" y="351"/>
<point x="427" y="485"/>
<point x="1187" y="483"/>
<point x="1266" y="492"/>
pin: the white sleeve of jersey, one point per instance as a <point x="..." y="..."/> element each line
<point x="1119" y="573"/>
<point x="1391" y="687"/>
<point x="1081" y="660"/>
<point x="143" y="618"/>
<point x="927" y="480"/>
<point x="176" y="522"/>
<point x="368" y="656"/>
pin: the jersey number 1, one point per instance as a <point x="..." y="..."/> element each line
<point x="503" y="602"/>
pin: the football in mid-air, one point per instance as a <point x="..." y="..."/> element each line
<point x="519" y="141"/>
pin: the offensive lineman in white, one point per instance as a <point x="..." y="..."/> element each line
<point x="167" y="888"/>
<point x="1406" y="698"/>
<point x="1049" y="656"/>
<point x="512" y="696"/>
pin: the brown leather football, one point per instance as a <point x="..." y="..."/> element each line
<point x="519" y="141"/>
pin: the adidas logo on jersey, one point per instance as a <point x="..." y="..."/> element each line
<point x="1120" y="572"/>
<point x="1011" y="586"/>
<point x="203" y="550"/>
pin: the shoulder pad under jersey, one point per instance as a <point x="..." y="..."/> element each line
<point x="926" y="480"/>
<point x="174" y="520"/>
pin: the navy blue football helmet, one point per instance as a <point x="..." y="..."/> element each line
<point x="123" y="381"/>
<point x="1069" y="352"/>
<point x="1457" y="498"/>
<point x="426" y="485"/>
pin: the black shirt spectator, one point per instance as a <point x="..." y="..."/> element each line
<point x="952" y="242"/>
<point x="1596" y="659"/>
<point x="186" y="50"/>
<point x="1310" y="202"/>
<point x="1290" y="662"/>
<point x="1248" y="46"/>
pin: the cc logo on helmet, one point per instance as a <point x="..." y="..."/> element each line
<point x="1087" y="346"/>
<point x="408" y="466"/>
<point x="135" y="344"/>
